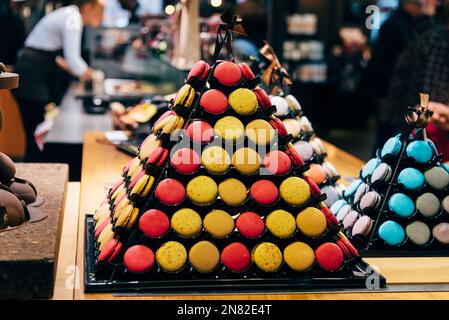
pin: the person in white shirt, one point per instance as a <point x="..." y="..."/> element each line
<point x="52" y="46"/>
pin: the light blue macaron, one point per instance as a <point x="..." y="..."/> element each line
<point x="401" y="205"/>
<point x="391" y="147"/>
<point x="411" y="178"/>
<point x="432" y="146"/>
<point x="392" y="233"/>
<point x="369" y="167"/>
<point x="337" y="206"/>
<point x="352" y="188"/>
<point x="420" y="151"/>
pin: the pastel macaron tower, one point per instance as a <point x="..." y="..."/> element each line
<point x="218" y="192"/>
<point x="399" y="203"/>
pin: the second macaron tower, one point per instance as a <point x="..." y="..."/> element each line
<point x="399" y="205"/>
<point x="305" y="141"/>
<point x="217" y="192"/>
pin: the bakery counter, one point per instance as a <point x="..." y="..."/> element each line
<point x="406" y="277"/>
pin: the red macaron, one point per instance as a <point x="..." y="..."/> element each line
<point x="138" y="259"/>
<point x="236" y="257"/>
<point x="214" y="101"/>
<point x="294" y="156"/>
<point x="154" y="223"/>
<point x="110" y="251"/>
<point x="200" y="131"/>
<point x="277" y="162"/>
<point x="185" y="161"/>
<point x="101" y="227"/>
<point x="314" y="189"/>
<point x="158" y="157"/>
<point x="279" y="126"/>
<point x="200" y="70"/>
<point x="228" y="73"/>
<point x="246" y="71"/>
<point x="329" y="256"/>
<point x="170" y="192"/>
<point x="262" y="98"/>
<point x="264" y="192"/>
<point x="250" y="225"/>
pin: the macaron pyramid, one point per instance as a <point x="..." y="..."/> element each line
<point x="399" y="205"/>
<point x="305" y="140"/>
<point x="218" y="192"/>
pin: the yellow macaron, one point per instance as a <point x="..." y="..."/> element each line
<point x="260" y="132"/>
<point x="171" y="256"/>
<point x="311" y="222"/>
<point x="219" y="224"/>
<point x="232" y="191"/>
<point x="204" y="256"/>
<point x="216" y="160"/>
<point x="299" y="256"/>
<point x="281" y="223"/>
<point x="246" y="161"/>
<point x="243" y="101"/>
<point x="295" y="191"/>
<point x="202" y="190"/>
<point x="267" y="256"/>
<point x="229" y="128"/>
<point x="186" y="222"/>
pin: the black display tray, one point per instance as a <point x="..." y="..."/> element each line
<point x="356" y="279"/>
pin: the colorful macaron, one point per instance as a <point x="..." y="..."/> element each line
<point x="293" y="127"/>
<point x="382" y="174"/>
<point x="277" y="162"/>
<point x="352" y="188"/>
<point x="229" y="128"/>
<point x="392" y="233"/>
<point x="199" y="71"/>
<point x="204" y="256"/>
<point x="219" y="224"/>
<point x="154" y="223"/>
<point x="369" y="167"/>
<point x="171" y="256"/>
<point x="138" y="259"/>
<point x="350" y="219"/>
<point x="329" y="257"/>
<point x="110" y="251"/>
<point x="200" y="131"/>
<point x="233" y="192"/>
<point x="243" y="101"/>
<point x="295" y="191"/>
<point x="338" y="205"/>
<point x="363" y="226"/>
<point x="418" y="232"/>
<point x="370" y="200"/>
<point x="267" y="257"/>
<point x="214" y="101"/>
<point x="127" y="216"/>
<point x="264" y="192"/>
<point x="185" y="161"/>
<point x="311" y="222"/>
<point x="281" y="104"/>
<point x="392" y="147"/>
<point x="304" y="149"/>
<point x="246" y="161"/>
<point x="401" y="205"/>
<point x="281" y="223"/>
<point x="411" y="179"/>
<point x="216" y="160"/>
<point x="250" y="225"/>
<point x="141" y="185"/>
<point x="299" y="256"/>
<point x="293" y="103"/>
<point x="428" y="205"/>
<point x="420" y="151"/>
<point x="437" y="178"/>
<point x="186" y="222"/>
<point x="236" y="257"/>
<point x="260" y="132"/>
<point x="332" y="195"/>
<point x="202" y="190"/>
<point x="441" y="233"/>
<point x="228" y="73"/>
<point x="170" y="192"/>
<point x="317" y="173"/>
<point x="148" y="146"/>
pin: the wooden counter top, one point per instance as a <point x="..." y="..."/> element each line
<point x="102" y="164"/>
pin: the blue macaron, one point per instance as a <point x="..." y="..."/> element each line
<point x="391" y="147"/>
<point x="401" y="205"/>
<point x="337" y="206"/>
<point x="432" y="146"/>
<point x="352" y="188"/>
<point x="392" y="233"/>
<point x="420" y="151"/>
<point x="369" y="167"/>
<point x="411" y="179"/>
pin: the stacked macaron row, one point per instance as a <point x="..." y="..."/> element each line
<point x="230" y="198"/>
<point x="404" y="208"/>
<point x="309" y="146"/>
<point x="19" y="202"/>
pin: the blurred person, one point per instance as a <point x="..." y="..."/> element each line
<point x="424" y="67"/>
<point x="413" y="17"/>
<point x="52" y="47"/>
<point x="12" y="29"/>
